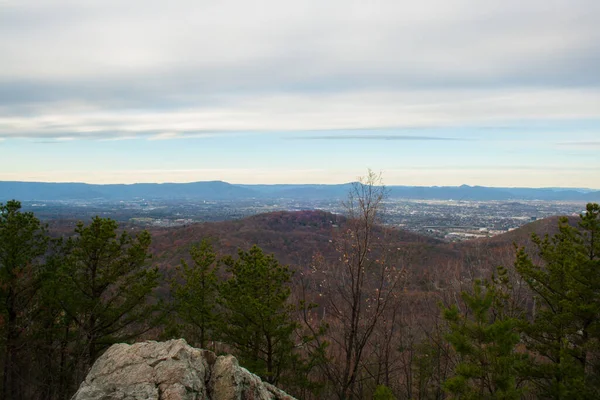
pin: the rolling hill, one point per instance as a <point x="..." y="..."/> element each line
<point x="295" y="237"/>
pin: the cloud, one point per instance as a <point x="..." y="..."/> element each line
<point x="267" y="44"/>
<point x="591" y="145"/>
<point x="367" y="136"/>
<point x="55" y="140"/>
<point x="302" y="112"/>
<point x="107" y="69"/>
<point x="513" y="169"/>
<point x="164" y="136"/>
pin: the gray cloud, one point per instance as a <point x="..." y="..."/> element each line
<point x="271" y="65"/>
<point x="271" y="45"/>
<point x="301" y="113"/>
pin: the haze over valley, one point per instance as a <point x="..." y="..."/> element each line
<point x="449" y="213"/>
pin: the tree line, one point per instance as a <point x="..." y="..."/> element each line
<point x="65" y="301"/>
<point x="348" y="326"/>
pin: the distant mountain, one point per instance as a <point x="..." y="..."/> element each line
<point x="302" y="192"/>
<point x="218" y="190"/>
<point x="47" y="191"/>
<point x="213" y="190"/>
<point x="463" y="192"/>
<point x="466" y="192"/>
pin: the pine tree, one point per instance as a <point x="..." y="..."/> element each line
<point x="23" y="241"/>
<point x="194" y="290"/>
<point x="257" y="319"/>
<point x="106" y="285"/>
<point x="54" y="336"/>
<point x="485" y="340"/>
<point x="383" y="392"/>
<point x="565" y="327"/>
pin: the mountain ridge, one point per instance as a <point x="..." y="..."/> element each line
<point x="220" y="190"/>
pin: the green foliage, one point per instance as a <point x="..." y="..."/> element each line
<point x="383" y="392"/>
<point x="194" y="290"/>
<point x="54" y="338"/>
<point x="23" y="241"/>
<point x="62" y="305"/>
<point x="565" y="328"/>
<point x="257" y="319"/>
<point x="484" y="341"/>
<point x="431" y="365"/>
<point x="105" y="284"/>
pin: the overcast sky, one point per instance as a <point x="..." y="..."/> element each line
<point x="430" y="92"/>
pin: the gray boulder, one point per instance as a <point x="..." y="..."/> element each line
<point x="171" y="370"/>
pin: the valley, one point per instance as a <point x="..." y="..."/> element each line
<point x="448" y="220"/>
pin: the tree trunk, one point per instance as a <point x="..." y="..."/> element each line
<point x="10" y="375"/>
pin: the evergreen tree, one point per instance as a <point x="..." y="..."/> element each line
<point x="565" y="328"/>
<point x="432" y="365"/>
<point x="105" y="285"/>
<point x="484" y="339"/>
<point x="383" y="392"/>
<point x="194" y="290"/>
<point x="54" y="336"/>
<point x="23" y="241"/>
<point x="257" y="319"/>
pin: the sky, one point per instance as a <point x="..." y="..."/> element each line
<point x="430" y="92"/>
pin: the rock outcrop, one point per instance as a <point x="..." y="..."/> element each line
<point x="171" y="370"/>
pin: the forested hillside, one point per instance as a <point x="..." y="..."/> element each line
<point x="321" y="305"/>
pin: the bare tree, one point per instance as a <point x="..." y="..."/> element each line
<point x="359" y="287"/>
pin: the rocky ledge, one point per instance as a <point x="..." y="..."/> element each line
<point x="171" y="370"/>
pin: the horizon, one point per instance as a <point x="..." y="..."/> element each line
<point x="305" y="184"/>
<point x="432" y="93"/>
